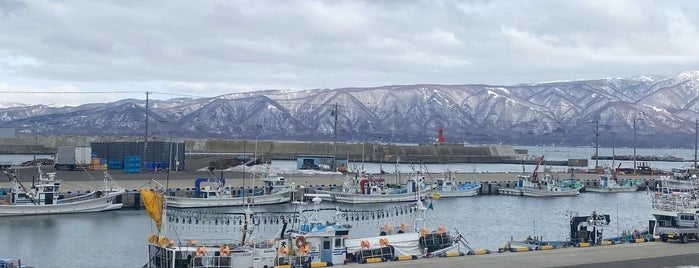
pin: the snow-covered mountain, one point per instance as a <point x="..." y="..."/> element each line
<point x="663" y="109"/>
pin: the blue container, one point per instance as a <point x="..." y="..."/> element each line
<point x="132" y="163"/>
<point x="115" y="164"/>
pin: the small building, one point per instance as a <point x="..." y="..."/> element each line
<point x="320" y="162"/>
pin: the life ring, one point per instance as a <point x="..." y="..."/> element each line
<point x="365" y="244"/>
<point x="224" y="250"/>
<point x="163" y="241"/>
<point x="300" y="241"/>
<point x="387" y="227"/>
<point x="283" y="251"/>
<point x="383" y="242"/>
<point x="152" y="238"/>
<point x="201" y="251"/>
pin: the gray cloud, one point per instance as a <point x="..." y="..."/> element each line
<point x="217" y="47"/>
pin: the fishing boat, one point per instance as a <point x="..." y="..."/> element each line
<point x="211" y="192"/>
<point x="448" y="187"/>
<point x="609" y="183"/>
<point x="305" y="239"/>
<point x="10" y="263"/>
<point x="205" y="252"/>
<point x="548" y="186"/>
<point x="403" y="242"/>
<point x="43" y="196"/>
<point x="368" y="190"/>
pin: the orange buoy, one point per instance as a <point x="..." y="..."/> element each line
<point x="224" y="250"/>
<point x="383" y="242"/>
<point x="365" y="244"/>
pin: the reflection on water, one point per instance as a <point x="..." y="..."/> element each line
<point x="118" y="238"/>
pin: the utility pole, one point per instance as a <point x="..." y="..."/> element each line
<point x="696" y="126"/>
<point x="145" y="139"/>
<point x="613" y="154"/>
<point x="334" y="114"/>
<point x="634" y="145"/>
<point x="597" y="144"/>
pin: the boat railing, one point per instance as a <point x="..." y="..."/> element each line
<point x="79" y="198"/>
<point x="211" y="261"/>
<point x="674" y="201"/>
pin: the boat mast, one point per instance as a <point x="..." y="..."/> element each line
<point x="597" y="145"/>
<point x="696" y="125"/>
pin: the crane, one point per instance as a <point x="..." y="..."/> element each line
<point x="535" y="175"/>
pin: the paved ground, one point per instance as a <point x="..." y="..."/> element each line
<point x="651" y="254"/>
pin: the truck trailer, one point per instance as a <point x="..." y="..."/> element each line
<point x="73" y="157"/>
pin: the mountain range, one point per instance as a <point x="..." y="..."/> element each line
<point x="644" y="111"/>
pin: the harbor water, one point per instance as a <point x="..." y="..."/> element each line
<point x="118" y="238"/>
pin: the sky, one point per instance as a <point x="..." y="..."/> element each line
<point x="76" y="52"/>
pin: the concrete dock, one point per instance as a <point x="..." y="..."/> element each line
<point x="649" y="254"/>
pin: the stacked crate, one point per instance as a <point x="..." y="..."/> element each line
<point x="132" y="164"/>
<point x="98" y="164"/>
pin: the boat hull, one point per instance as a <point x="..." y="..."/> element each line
<point x="546" y="193"/>
<point x="89" y="205"/>
<point x="194" y="202"/>
<point x="612" y="189"/>
<point x="465" y="193"/>
<point x="348" y="198"/>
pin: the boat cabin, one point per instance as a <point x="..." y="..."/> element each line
<point x="45" y="192"/>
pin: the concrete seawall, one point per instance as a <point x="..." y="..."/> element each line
<point x="280" y="150"/>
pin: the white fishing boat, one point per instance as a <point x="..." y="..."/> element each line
<point x="609" y="183"/>
<point x="548" y="186"/>
<point x="304" y="239"/>
<point x="368" y="190"/>
<point x="675" y="212"/>
<point x="211" y="252"/>
<point x="448" y="187"/>
<point x="42" y="196"/>
<point x="403" y="242"/>
<point x="213" y="193"/>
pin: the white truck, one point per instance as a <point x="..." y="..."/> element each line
<point x="682" y="226"/>
<point x="72" y="157"/>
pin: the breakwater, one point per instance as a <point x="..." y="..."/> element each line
<point x="373" y="152"/>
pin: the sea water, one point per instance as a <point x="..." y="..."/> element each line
<point x="118" y="238"/>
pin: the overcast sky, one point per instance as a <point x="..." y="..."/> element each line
<point x="121" y="49"/>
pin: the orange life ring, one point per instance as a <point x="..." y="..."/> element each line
<point x="387" y="227"/>
<point x="224" y="250"/>
<point x="300" y="241"/>
<point x="201" y="251"/>
<point x="163" y="241"/>
<point x="365" y="244"/>
<point x="383" y="242"/>
<point x="283" y="251"/>
<point x="152" y="238"/>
